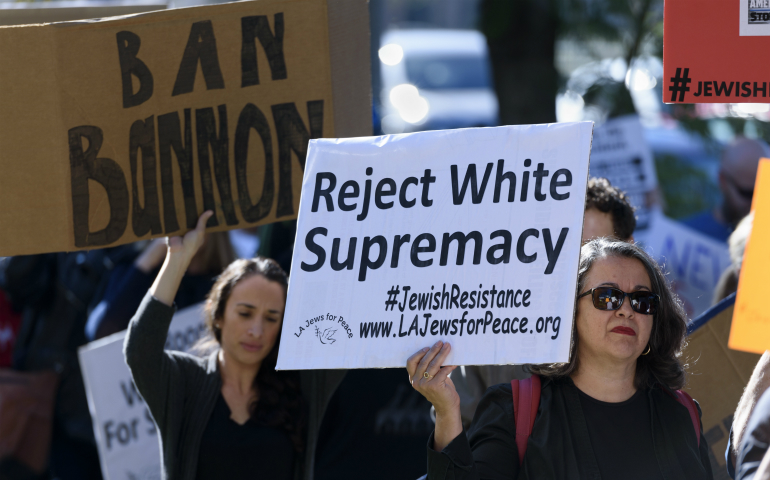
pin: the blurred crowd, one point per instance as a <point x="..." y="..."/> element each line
<point x="52" y="304"/>
<point x="225" y="412"/>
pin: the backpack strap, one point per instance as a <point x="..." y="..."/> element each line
<point x="526" y="400"/>
<point x="685" y="399"/>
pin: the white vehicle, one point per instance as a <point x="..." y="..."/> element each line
<point x="435" y="79"/>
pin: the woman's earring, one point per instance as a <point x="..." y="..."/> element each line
<point x="648" y="349"/>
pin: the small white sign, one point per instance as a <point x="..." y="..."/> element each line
<point x="692" y="261"/>
<point x="469" y="236"/>
<point x="754" y="18"/>
<point x="125" y="434"/>
<point x="621" y="154"/>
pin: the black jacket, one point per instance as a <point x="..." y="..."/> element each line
<point x="559" y="447"/>
<point x="54" y="292"/>
<point x="181" y="391"/>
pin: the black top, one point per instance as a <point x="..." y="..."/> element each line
<point x="181" y="391"/>
<point x="243" y="452"/>
<point x="621" y="436"/>
<point x="562" y="446"/>
<point x="375" y="423"/>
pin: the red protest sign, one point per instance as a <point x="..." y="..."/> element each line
<point x="712" y="51"/>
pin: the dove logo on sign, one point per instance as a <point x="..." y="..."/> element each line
<point x="326" y="336"/>
<point x="326" y="331"/>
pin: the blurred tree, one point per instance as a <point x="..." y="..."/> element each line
<point x="686" y="190"/>
<point x="522" y="37"/>
<point x="629" y="23"/>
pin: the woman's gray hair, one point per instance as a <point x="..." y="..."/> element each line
<point x="669" y="327"/>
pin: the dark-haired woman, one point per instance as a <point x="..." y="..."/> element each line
<point x="230" y="415"/>
<point x="610" y="413"/>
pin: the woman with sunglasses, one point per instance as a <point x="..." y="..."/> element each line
<point x="611" y="412"/>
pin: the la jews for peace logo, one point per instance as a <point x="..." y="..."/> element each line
<point x="325" y="336"/>
<point x="325" y="328"/>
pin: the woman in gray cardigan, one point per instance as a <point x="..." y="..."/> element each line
<point x="230" y="415"/>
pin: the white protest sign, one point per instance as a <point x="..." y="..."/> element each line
<point x="693" y="261"/>
<point x="621" y="154"/>
<point x="469" y="236"/>
<point x="125" y="434"/>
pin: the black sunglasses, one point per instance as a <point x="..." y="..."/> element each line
<point x="609" y="298"/>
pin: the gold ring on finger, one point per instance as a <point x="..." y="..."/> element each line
<point x="427" y="375"/>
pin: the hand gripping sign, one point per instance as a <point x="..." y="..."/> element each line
<point x="469" y="236"/>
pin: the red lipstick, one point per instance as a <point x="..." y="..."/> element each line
<point x="624" y="331"/>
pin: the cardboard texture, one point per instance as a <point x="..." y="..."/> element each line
<point x="751" y="324"/>
<point x="25" y="13"/>
<point x="717" y="378"/>
<point x="128" y="128"/>
<point x="710" y="51"/>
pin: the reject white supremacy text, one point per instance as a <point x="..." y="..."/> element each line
<point x="469" y="236"/>
<point x="422" y="248"/>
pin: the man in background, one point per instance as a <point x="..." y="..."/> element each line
<point x="608" y="213"/>
<point x="737" y="174"/>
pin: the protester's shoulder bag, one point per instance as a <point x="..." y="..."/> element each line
<point x="26" y="411"/>
<point x="526" y="400"/>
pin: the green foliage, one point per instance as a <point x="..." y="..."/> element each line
<point x="687" y="190"/>
<point x="495" y="17"/>
<point x="611" y="97"/>
<point x="686" y="116"/>
<point x="628" y="22"/>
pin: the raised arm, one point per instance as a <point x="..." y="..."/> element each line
<point x="488" y="452"/>
<point x="153" y="371"/>
<point x="180" y="254"/>
<point x="432" y="380"/>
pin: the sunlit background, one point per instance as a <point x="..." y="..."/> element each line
<point x="444" y="64"/>
<point x="440" y="64"/>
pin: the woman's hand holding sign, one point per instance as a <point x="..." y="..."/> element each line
<point x="186" y="247"/>
<point x="181" y="250"/>
<point x="428" y="377"/>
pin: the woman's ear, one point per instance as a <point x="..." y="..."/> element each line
<point x="217" y="323"/>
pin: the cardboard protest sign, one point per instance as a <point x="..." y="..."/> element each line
<point x="716" y="377"/>
<point x="621" y="154"/>
<point x="751" y="322"/>
<point x="125" y="434"/>
<point x="128" y="128"/>
<point x="26" y="13"/>
<point x="693" y="261"/>
<point x="710" y="48"/>
<point x="470" y="236"/>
